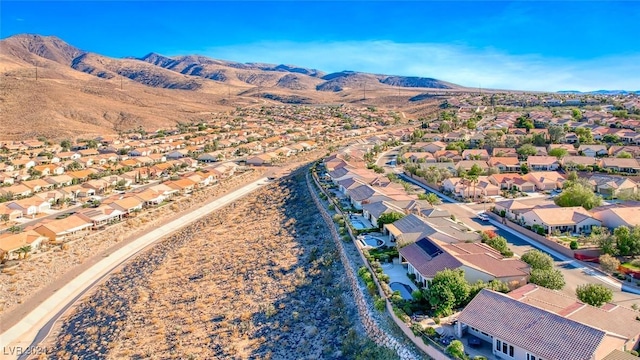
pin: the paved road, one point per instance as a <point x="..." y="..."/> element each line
<point x="33" y="328"/>
<point x="575" y="273"/>
<point x="385" y="157"/>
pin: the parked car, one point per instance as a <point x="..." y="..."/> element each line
<point x="483" y="217"/>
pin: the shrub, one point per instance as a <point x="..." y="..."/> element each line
<point x="608" y="263"/>
<point x="594" y="294"/>
<point x="456" y="350"/>
<point x="436" y="320"/>
<point x="573" y="245"/>
<point x="430" y="332"/>
<point x="416" y="329"/>
<point x="401" y="314"/>
<point x="379" y="303"/>
<point x="538" y="260"/>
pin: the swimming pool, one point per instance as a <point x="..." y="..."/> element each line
<point x="369" y="240"/>
<point x="404" y="289"/>
<point x="358" y="225"/>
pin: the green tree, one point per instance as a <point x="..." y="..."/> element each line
<point x="14" y="229"/>
<point x="431" y="198"/>
<point x="524" y="122"/>
<point x="389" y="218"/>
<point x="605" y="240"/>
<point x="550" y="278"/>
<point x="24" y="251"/>
<point x="527" y="150"/>
<point x="558" y="152"/>
<point x="497" y="242"/>
<point x="584" y="135"/>
<point x="576" y="114"/>
<point x="34" y="173"/>
<point x="627" y="240"/>
<point x="537" y="260"/>
<point x="608" y="263"/>
<point x="556" y="133"/>
<point x="456" y="350"/>
<point x="624" y="155"/>
<point x="448" y="290"/>
<point x="594" y="294"/>
<point x="578" y="195"/>
<point x="572" y="176"/>
<point x="65" y="144"/>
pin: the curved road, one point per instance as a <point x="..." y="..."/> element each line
<point x="35" y="327"/>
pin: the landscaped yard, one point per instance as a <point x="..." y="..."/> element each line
<point x="633" y="265"/>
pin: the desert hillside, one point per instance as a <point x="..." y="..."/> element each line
<point x="50" y="88"/>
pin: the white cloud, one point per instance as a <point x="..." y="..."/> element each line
<point x="489" y="68"/>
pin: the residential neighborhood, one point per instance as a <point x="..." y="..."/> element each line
<point x="412" y="239"/>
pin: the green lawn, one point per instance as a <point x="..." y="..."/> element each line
<point x="629" y="265"/>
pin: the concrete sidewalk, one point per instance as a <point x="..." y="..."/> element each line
<point x="37" y="324"/>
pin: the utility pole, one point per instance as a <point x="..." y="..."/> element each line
<point x="36" y="71"/>
<point x="364" y="91"/>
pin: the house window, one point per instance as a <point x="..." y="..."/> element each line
<point x="505" y="348"/>
<point x="533" y="357"/>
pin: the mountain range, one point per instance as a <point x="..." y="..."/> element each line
<point x="599" y="92"/>
<point x="52" y="88"/>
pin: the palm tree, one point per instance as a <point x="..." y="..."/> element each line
<point x="25" y="250"/>
<point x="471" y="179"/>
<point x="432" y="198"/>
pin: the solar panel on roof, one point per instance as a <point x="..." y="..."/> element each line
<point x="429" y="247"/>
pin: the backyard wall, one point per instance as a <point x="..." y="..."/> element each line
<point x="377" y="334"/>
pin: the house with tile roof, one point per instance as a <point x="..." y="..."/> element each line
<point x="576" y="162"/>
<point x="505" y="164"/>
<point x="593" y="150"/>
<point x="573" y="219"/>
<point x="101" y="216"/>
<point x="615" y="215"/>
<point x="630" y="166"/>
<point x="11" y="243"/>
<point x="543" y="163"/>
<point x="534" y="323"/>
<point x="612" y="186"/>
<point x="546" y="180"/>
<point x="428" y="256"/>
<point x="57" y="230"/>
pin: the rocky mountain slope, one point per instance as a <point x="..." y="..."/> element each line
<point x="51" y="88"/>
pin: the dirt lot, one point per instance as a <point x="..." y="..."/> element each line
<point x="258" y="279"/>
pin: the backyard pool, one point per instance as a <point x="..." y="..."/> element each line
<point x="368" y="240"/>
<point x="358" y="225"/>
<point x="404" y="289"/>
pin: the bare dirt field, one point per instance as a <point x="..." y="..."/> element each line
<point x="260" y="278"/>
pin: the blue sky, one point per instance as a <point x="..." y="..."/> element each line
<point x="528" y="45"/>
